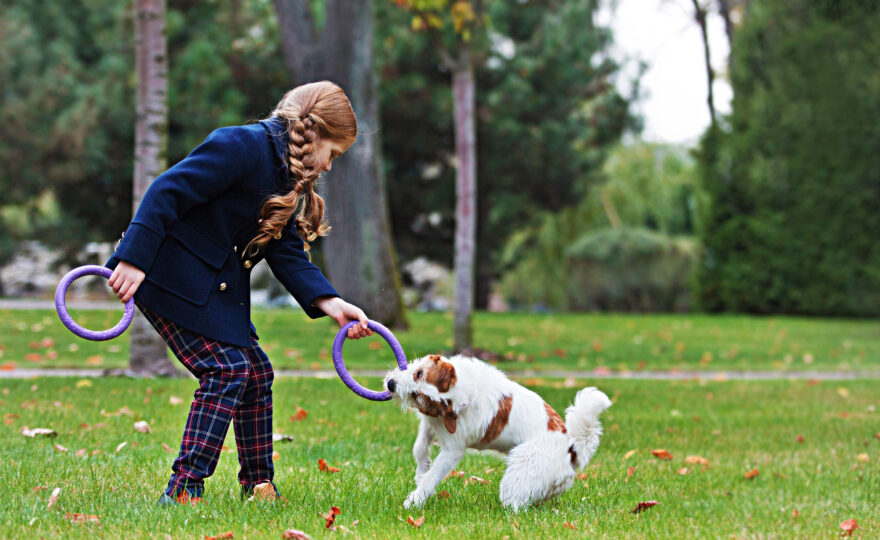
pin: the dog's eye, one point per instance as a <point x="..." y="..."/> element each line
<point x="419" y="374"/>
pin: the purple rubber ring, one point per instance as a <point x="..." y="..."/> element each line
<point x="61" y="307"/>
<point x="340" y="365"/>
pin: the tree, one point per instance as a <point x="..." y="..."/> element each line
<point x="148" y="354"/>
<point x="359" y="256"/>
<point x="453" y="26"/>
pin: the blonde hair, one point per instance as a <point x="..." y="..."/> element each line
<point x="313" y="111"/>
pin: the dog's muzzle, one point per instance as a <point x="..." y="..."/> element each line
<point x="391" y="385"/>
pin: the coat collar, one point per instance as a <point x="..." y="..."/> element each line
<point x="277" y="132"/>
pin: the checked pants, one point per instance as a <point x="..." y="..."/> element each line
<point x="235" y="385"/>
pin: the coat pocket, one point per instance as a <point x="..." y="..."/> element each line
<point x="187" y="263"/>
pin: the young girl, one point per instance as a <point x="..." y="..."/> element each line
<point x="245" y="194"/>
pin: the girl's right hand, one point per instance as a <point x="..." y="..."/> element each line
<point x="125" y="280"/>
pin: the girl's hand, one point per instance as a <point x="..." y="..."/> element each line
<point x="341" y="311"/>
<point x="125" y="280"/>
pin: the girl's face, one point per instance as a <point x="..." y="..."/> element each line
<point x="326" y="150"/>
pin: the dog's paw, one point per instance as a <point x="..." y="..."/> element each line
<point x="415" y="499"/>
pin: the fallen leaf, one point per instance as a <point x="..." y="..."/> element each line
<point x="221" y="536"/>
<point x="330" y="517"/>
<point x="582" y="476"/>
<point x="864" y="458"/>
<point x="443" y="494"/>
<point x="696" y="460"/>
<point x="34" y="357"/>
<point x="597" y="346"/>
<point x="475" y="480"/>
<point x="278" y="437"/>
<point x="47" y="343"/>
<point x="7" y="366"/>
<point x="276" y="455"/>
<point x="843" y="392"/>
<point x="264" y="492"/>
<point x="81" y="518"/>
<point x="59" y="448"/>
<point x="799" y="438"/>
<point x="42" y="432"/>
<point x="630" y="454"/>
<point x="81" y="452"/>
<point x="322" y="466"/>
<point x="95" y="360"/>
<point x="661" y="454"/>
<point x="415" y="522"/>
<point x="568" y="525"/>
<point x="83" y="383"/>
<point x="455" y="474"/>
<point x="53" y="498"/>
<point x="174" y="400"/>
<point x="166" y="447"/>
<point x="751" y="474"/>
<point x="121" y="446"/>
<point x="683" y="471"/>
<point x="295" y="534"/>
<point x="795" y="513"/>
<point x="142" y="427"/>
<point x="300" y="415"/>
<point x="629" y="472"/>
<point x="848" y="527"/>
<point x="375" y="345"/>
<point x="38" y="488"/>
<point x="9" y="418"/>
<point x="643" y="506"/>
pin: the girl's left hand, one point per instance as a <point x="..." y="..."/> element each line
<point x="341" y="311"/>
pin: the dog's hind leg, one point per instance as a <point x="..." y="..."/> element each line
<point x="446" y="460"/>
<point x="422" y="449"/>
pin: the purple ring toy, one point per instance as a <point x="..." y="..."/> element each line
<point x="340" y="365"/>
<point x="61" y="307"/>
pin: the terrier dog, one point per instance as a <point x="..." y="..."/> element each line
<point x="466" y="403"/>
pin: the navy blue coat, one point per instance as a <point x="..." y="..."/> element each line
<point x="193" y="223"/>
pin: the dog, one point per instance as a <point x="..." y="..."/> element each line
<point x="466" y="403"/>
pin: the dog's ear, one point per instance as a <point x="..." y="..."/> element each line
<point x="450" y="420"/>
<point x="443" y="409"/>
<point x="442" y="375"/>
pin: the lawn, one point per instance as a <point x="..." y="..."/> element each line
<point x="541" y="342"/>
<point x="803" y="489"/>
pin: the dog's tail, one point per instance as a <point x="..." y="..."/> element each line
<point x="583" y="426"/>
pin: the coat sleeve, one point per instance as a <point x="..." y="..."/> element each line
<point x="227" y="155"/>
<point x="291" y="266"/>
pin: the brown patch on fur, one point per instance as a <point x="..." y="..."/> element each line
<point x="554" y="422"/>
<point x="443" y="409"/>
<point x="574" y="456"/>
<point x="441" y="374"/>
<point x="499" y="421"/>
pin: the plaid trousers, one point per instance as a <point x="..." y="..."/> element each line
<point x="235" y="384"/>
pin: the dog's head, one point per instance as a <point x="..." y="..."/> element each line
<point x="427" y="385"/>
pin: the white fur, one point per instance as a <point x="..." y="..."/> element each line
<point x="539" y="463"/>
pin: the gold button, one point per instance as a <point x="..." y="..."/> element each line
<point x="223" y="286"/>
<point x="235" y="249"/>
<point x="277" y="236"/>
<point x="248" y="264"/>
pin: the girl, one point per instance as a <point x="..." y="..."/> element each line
<point x="245" y="194"/>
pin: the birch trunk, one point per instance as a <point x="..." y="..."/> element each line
<point x="148" y="354"/>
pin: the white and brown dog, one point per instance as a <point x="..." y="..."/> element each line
<point x="466" y="403"/>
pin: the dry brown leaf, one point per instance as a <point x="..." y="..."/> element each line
<point x="295" y="534"/>
<point x="799" y="438"/>
<point x="569" y="525"/>
<point x="322" y="466"/>
<point x="330" y="517"/>
<point x="475" y="480"/>
<point x="142" y="427"/>
<point x="121" y="446"/>
<point x="81" y="452"/>
<point x="630" y="454"/>
<point x="795" y="513"/>
<point x="582" y="476"/>
<point x="42" y="432"/>
<point x="751" y="474"/>
<point x="443" y="494"/>
<point x="683" y="471"/>
<point x="455" y="474"/>
<point x="53" y="498"/>
<point x="59" y="448"/>
<point x="264" y="492"/>
<point x="300" y="415"/>
<point x="661" y="454"/>
<point x="222" y="536"/>
<point x="415" y="522"/>
<point x="34" y="357"/>
<point x="629" y="472"/>
<point x="276" y="455"/>
<point x="166" y="447"/>
<point x="174" y="400"/>
<point x="696" y="460"/>
<point x="83" y="383"/>
<point x="644" y="506"/>
<point x="864" y="458"/>
<point x="81" y="518"/>
<point x="848" y="527"/>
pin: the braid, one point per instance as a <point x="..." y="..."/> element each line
<point x="310" y="111"/>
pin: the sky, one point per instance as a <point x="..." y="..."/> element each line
<point x="665" y="35"/>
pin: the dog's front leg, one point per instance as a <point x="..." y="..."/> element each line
<point x="446" y="460"/>
<point x="422" y="449"/>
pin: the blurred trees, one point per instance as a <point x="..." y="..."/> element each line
<point x="794" y="180"/>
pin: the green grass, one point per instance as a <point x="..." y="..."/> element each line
<point x="525" y="341"/>
<point x="737" y="426"/>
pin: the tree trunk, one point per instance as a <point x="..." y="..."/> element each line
<point x="359" y="255"/>
<point x="148" y="352"/>
<point x="700" y="15"/>
<point x="463" y="89"/>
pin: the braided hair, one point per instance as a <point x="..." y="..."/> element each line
<point x="311" y="112"/>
